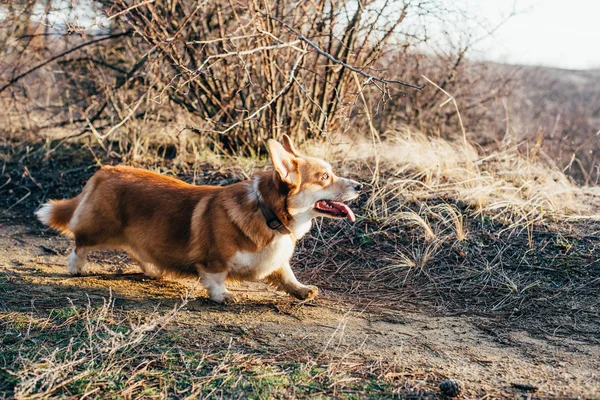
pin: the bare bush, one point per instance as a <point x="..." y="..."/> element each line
<point x="236" y="73"/>
<point x="233" y="73"/>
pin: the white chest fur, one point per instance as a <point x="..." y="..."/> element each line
<point x="257" y="265"/>
<point x="301" y="225"/>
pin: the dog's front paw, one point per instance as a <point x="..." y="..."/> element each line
<point x="224" y="298"/>
<point x="230" y="298"/>
<point x="78" y="272"/>
<point x="306" y="293"/>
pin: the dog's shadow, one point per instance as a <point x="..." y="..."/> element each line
<point x="125" y="276"/>
<point x="37" y="291"/>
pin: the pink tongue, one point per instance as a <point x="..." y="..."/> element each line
<point x="327" y="205"/>
<point x="347" y="209"/>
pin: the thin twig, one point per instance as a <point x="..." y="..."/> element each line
<point x="129" y="9"/>
<point x="283" y="90"/>
<point x="251" y="51"/>
<point x="117" y="126"/>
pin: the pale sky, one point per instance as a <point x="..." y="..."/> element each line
<point x="556" y="33"/>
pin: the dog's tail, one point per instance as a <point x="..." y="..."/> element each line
<point x="58" y="213"/>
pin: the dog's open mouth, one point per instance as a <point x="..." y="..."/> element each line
<point x="334" y="209"/>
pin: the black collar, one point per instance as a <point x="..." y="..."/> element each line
<point x="271" y="218"/>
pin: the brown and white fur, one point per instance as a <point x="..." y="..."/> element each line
<point x="216" y="233"/>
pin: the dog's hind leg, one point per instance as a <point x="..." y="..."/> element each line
<point x="83" y="245"/>
<point x="76" y="263"/>
<point x="284" y="279"/>
<point x="149" y="269"/>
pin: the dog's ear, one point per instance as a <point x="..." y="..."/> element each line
<point x="283" y="161"/>
<point x="288" y="145"/>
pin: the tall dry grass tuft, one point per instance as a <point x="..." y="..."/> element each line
<point x="453" y="218"/>
<point x="413" y="218"/>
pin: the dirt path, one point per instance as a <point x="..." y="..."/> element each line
<point x="423" y="347"/>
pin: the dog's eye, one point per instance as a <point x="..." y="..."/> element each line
<point x="325" y="176"/>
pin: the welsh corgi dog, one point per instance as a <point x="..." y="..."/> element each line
<point x="244" y="231"/>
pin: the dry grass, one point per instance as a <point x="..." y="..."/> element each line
<point x="469" y="233"/>
<point x="506" y="184"/>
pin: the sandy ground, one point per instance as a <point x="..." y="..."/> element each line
<point x="488" y="365"/>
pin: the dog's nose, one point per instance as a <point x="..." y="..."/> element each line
<point x="358" y="186"/>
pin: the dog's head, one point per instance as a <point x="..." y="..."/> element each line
<point x="313" y="189"/>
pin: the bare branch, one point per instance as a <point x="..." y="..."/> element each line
<point x="336" y="61"/>
<point x="64" y="53"/>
